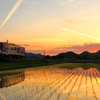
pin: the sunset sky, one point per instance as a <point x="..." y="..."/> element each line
<point x="52" y="25"/>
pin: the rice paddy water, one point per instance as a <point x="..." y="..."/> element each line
<point x="51" y="84"/>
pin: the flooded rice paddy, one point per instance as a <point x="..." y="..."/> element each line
<point x="51" y="84"/>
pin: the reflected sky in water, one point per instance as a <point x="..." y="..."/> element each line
<point x="51" y="84"/>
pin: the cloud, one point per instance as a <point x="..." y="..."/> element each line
<point x="61" y="2"/>
<point x="32" y="13"/>
<point x="11" y="12"/>
<point x="64" y="2"/>
<point x="43" y="40"/>
<point x="34" y="47"/>
<point x="31" y="2"/>
<point x="24" y="45"/>
<point x="80" y="34"/>
<point x="91" y="18"/>
<point x="96" y="33"/>
<point x="91" y="47"/>
<point x="70" y="0"/>
<point x="74" y="3"/>
<point x="79" y="2"/>
<point x="47" y="52"/>
<point x="72" y="22"/>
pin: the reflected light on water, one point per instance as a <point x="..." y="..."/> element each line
<point x="52" y="84"/>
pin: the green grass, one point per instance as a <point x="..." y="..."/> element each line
<point x="8" y="64"/>
<point x="83" y="65"/>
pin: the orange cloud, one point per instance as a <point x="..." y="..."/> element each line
<point x="72" y="22"/>
<point x="91" y="47"/>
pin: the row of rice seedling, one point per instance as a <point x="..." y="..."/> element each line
<point x="55" y="87"/>
<point x="55" y="84"/>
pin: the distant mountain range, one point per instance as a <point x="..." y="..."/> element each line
<point x="66" y="55"/>
<point x="83" y="55"/>
<point x="32" y="55"/>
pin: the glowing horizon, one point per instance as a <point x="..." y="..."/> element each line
<point x="51" y="24"/>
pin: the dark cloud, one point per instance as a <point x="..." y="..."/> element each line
<point x="24" y="45"/>
<point x="91" y="47"/>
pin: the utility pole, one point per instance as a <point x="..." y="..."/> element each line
<point x="7" y="41"/>
<point x="44" y="52"/>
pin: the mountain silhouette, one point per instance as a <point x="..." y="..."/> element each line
<point x="98" y="52"/>
<point x="67" y="55"/>
<point x="32" y="55"/>
<point x="86" y="54"/>
<point x="83" y="55"/>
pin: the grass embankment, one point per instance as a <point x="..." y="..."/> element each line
<point x="83" y="65"/>
<point x="8" y="64"/>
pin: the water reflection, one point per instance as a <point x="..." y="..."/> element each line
<point x="52" y="84"/>
<point x="9" y="80"/>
